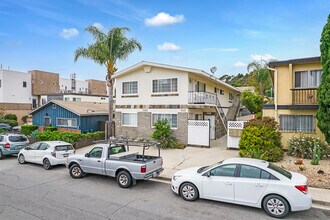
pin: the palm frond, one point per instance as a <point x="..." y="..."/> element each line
<point x="96" y="32"/>
<point x="80" y="52"/>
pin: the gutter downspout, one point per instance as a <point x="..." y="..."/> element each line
<point x="275" y="90"/>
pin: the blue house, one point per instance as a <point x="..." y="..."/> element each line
<point x="79" y="116"/>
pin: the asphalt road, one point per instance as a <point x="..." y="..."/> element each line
<point x="30" y="192"/>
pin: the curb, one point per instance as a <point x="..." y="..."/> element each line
<point x="314" y="201"/>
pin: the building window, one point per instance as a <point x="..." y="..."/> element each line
<point x="222" y="92"/>
<point x="130" y="87"/>
<point x="129" y="119"/>
<point x="310" y="78"/>
<point x="67" y="122"/>
<point x="0" y="83"/>
<point x="53" y="106"/>
<point x="43" y="101"/>
<point x="231" y="96"/>
<point x="34" y="103"/>
<point x="200" y="87"/>
<point x="76" y="99"/>
<point x="102" y="98"/>
<point x="297" y="123"/>
<point x="164" y="85"/>
<point x="171" y="118"/>
<point x="24" y="84"/>
<point x="67" y="99"/>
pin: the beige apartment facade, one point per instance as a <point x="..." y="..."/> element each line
<point x="295" y="97"/>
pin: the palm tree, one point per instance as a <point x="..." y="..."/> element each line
<point x="106" y="50"/>
<point x="261" y="78"/>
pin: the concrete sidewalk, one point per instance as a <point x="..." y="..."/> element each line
<point x="176" y="159"/>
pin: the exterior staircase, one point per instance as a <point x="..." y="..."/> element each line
<point x="233" y="110"/>
<point x="221" y="113"/>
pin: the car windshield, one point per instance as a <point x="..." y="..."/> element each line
<point x="17" y="138"/>
<point x="200" y="170"/>
<point x="280" y="170"/>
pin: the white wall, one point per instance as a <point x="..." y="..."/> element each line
<point x="81" y="86"/>
<point x="85" y="98"/>
<point x="12" y="90"/>
<point x="145" y="87"/>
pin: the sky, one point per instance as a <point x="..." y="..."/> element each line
<point x="43" y="34"/>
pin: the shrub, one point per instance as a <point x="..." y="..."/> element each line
<point x="34" y="135"/>
<point x="50" y="128"/>
<point x="260" y="139"/>
<point x="252" y="102"/>
<point x="12" y="123"/>
<point x="303" y="147"/>
<point x="11" y="117"/>
<point x="69" y="137"/>
<point x="24" y="118"/>
<point x="163" y="134"/>
<point x="27" y="129"/>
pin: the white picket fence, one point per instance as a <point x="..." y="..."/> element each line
<point x="233" y="139"/>
<point x="199" y="132"/>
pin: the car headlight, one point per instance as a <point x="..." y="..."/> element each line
<point x="175" y="177"/>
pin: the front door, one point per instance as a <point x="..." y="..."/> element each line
<point x="211" y="118"/>
<point x="47" y="121"/>
<point x="220" y="183"/>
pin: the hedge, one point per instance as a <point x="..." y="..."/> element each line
<point x="69" y="136"/>
<point x="27" y="129"/>
<point x="11" y="117"/>
<point x="50" y="128"/>
<point x="12" y="123"/>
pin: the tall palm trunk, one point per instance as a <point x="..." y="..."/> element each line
<point x="111" y="126"/>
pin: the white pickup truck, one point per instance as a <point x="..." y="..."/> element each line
<point x="115" y="161"/>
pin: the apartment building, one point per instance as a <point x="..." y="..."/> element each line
<point x="295" y="96"/>
<point x="147" y="92"/>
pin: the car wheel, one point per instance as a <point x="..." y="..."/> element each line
<point x="276" y="206"/>
<point x="189" y="192"/>
<point x="124" y="179"/>
<point x="1" y="155"/>
<point x="21" y="159"/>
<point x="46" y="164"/>
<point x="76" y="172"/>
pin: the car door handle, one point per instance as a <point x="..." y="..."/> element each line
<point x="80" y="159"/>
<point x="99" y="161"/>
<point x="259" y="185"/>
<point x="229" y="183"/>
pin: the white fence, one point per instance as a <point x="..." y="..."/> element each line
<point x="235" y="129"/>
<point x="199" y="132"/>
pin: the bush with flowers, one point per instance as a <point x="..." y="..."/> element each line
<point x="303" y="147"/>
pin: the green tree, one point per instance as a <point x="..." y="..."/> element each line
<point x="261" y="78"/>
<point x="323" y="92"/>
<point x="107" y="49"/>
<point x="253" y="102"/>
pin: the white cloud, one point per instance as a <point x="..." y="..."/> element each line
<point x="239" y="64"/>
<point x="99" y="26"/>
<point x="168" y="47"/>
<point x="69" y="33"/>
<point x="258" y="58"/>
<point x="163" y="19"/>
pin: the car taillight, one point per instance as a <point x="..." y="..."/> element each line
<point x="143" y="169"/>
<point x="302" y="188"/>
<point x="53" y="154"/>
<point x="161" y="162"/>
<point x="7" y="145"/>
<point x="74" y="151"/>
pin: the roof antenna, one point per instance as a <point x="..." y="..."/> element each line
<point x="213" y="70"/>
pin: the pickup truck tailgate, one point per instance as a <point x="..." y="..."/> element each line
<point x="154" y="164"/>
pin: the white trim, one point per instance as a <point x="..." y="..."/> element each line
<point x="130" y="94"/>
<point x="66" y="126"/>
<point x="130" y="113"/>
<point x="185" y="69"/>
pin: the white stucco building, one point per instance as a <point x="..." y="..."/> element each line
<point x="81" y="86"/>
<point x="148" y="91"/>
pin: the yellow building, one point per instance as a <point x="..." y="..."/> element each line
<point x="295" y="97"/>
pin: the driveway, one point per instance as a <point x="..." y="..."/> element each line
<point x="30" y="192"/>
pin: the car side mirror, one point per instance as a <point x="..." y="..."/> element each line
<point x="208" y="174"/>
<point x="27" y="148"/>
<point x="87" y="155"/>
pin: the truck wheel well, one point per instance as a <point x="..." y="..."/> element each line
<point x="122" y="169"/>
<point x="72" y="163"/>
<point x="274" y="194"/>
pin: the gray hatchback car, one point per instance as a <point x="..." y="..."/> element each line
<point x="11" y="143"/>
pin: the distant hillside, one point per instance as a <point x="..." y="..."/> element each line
<point x="238" y="80"/>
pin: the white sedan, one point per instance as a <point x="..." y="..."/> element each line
<point x="245" y="181"/>
<point x="47" y="153"/>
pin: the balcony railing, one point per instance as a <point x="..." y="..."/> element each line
<point x="202" y="98"/>
<point x="304" y="96"/>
